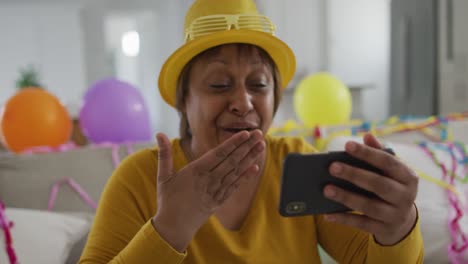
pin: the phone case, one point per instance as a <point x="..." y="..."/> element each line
<point x="305" y="176"/>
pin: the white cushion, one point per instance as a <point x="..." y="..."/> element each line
<point x="43" y="237"/>
<point x="432" y="200"/>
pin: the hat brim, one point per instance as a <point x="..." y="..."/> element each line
<point x="279" y="51"/>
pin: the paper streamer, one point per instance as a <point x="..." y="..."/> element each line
<point x="386" y="127"/>
<point x="71" y="146"/>
<point x="389" y="126"/>
<point x="75" y="187"/>
<point x="6" y="225"/>
<point x="459" y="243"/>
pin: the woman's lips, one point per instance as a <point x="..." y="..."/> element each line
<point x="236" y="130"/>
<point x="239" y="126"/>
<point x="230" y="131"/>
<point x="231" y="128"/>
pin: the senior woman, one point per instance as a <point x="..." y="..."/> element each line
<point x="212" y="195"/>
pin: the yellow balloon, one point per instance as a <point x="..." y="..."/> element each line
<point x="322" y="99"/>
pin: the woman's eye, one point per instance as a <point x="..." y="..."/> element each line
<point x="259" y="85"/>
<point x="219" y="86"/>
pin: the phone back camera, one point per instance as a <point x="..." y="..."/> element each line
<point x="296" y="207"/>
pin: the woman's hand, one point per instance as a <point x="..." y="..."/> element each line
<point x="389" y="219"/>
<point x="187" y="198"/>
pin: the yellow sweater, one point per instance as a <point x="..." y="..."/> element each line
<point x="122" y="231"/>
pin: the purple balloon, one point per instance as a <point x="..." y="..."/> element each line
<point x="114" y="111"/>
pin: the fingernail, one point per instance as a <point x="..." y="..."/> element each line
<point x="258" y="135"/>
<point x="256" y="168"/>
<point x="158" y="140"/>
<point x="336" y="168"/>
<point x="245" y="135"/>
<point x="352" y="146"/>
<point x="330" y="192"/>
<point x="260" y="147"/>
<point x="330" y="218"/>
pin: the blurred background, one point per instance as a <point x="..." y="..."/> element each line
<point x="406" y="57"/>
<point x="401" y="64"/>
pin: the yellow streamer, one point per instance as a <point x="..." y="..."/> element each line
<point x="393" y="125"/>
<point x="440" y="183"/>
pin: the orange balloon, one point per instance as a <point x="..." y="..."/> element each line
<point x="35" y="118"/>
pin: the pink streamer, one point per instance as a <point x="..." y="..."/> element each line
<point x="454" y="225"/>
<point x="6" y="225"/>
<point x="72" y="146"/>
<point x="130" y="149"/>
<point x="115" y="151"/>
<point x="455" y="252"/>
<point x="76" y="187"/>
<point x="70" y="182"/>
<point x="45" y="149"/>
<point x="115" y="155"/>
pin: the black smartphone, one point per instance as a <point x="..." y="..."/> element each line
<point x="304" y="177"/>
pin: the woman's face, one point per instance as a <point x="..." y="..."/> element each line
<point x="229" y="90"/>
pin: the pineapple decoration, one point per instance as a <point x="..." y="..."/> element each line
<point x="29" y="78"/>
<point x="34" y="118"/>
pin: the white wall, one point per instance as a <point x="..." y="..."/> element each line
<point x="98" y="63"/>
<point x="359" y="47"/>
<point x="170" y="37"/>
<point x="301" y="26"/>
<point x="49" y="37"/>
<point x="351" y="39"/>
<point x="161" y="32"/>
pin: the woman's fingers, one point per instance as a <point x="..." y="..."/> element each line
<point x="251" y="159"/>
<point x="362" y="222"/>
<point x="203" y="185"/>
<point x="389" y="218"/>
<point x="374" y="208"/>
<point x="165" y="167"/>
<point x="382" y="160"/>
<point x="214" y="157"/>
<point x="223" y="175"/>
<point x="217" y="174"/>
<point x="371" y="141"/>
<point x="382" y="186"/>
<point x="386" y="233"/>
<point x="226" y="190"/>
<point x="394" y="170"/>
<point x="231" y="166"/>
<point x="248" y="163"/>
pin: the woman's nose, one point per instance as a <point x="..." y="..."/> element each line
<point x="241" y="101"/>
